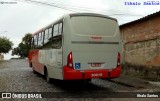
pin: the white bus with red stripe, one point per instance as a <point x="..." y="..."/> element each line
<point x="78" y="46"/>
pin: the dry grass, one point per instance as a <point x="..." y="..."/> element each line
<point x="146" y="72"/>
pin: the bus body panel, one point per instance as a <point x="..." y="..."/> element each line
<point x="94" y="56"/>
<point x="94" y="51"/>
<point x="72" y="74"/>
<point x="94" y="60"/>
<point x="66" y="39"/>
<point x="36" y="65"/>
<point x="52" y="58"/>
<point x="56" y="73"/>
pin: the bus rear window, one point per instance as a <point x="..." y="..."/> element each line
<point x="88" y="25"/>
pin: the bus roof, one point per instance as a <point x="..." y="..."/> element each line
<point x="37" y="31"/>
<point x="73" y="15"/>
<point x="91" y="14"/>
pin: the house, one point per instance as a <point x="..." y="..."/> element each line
<point x="141" y="40"/>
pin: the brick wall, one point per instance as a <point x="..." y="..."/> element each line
<point x="142" y="42"/>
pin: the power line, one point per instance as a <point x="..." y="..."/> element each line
<point x="45" y="3"/>
<point x="91" y="9"/>
<point x="73" y="8"/>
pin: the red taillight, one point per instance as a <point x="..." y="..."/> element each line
<point x="70" y="60"/>
<point x="118" y="59"/>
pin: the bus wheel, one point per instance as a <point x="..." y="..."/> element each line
<point x="48" y="79"/>
<point x="33" y="70"/>
<point x="30" y="64"/>
<point x="87" y="81"/>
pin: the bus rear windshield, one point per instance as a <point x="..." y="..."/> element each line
<point x="98" y="26"/>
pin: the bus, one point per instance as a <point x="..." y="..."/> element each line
<point x="78" y="46"/>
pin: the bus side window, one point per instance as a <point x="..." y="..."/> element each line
<point x="60" y="29"/>
<point x="50" y="32"/>
<point x="55" y="30"/>
<point x="57" y="42"/>
<point x="46" y="36"/>
<point x="35" y="41"/>
<point x="40" y="39"/>
<point x="32" y="42"/>
<point x="47" y="40"/>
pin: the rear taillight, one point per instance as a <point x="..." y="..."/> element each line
<point x="118" y="59"/>
<point x="70" y="60"/>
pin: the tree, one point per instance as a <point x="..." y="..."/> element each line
<point x="26" y="39"/>
<point x="15" y="51"/>
<point x="23" y="48"/>
<point x="5" y="45"/>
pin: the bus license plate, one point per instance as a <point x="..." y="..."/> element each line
<point x="95" y="64"/>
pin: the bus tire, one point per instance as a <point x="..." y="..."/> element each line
<point x="48" y="79"/>
<point x="33" y="70"/>
<point x="86" y="81"/>
<point x="30" y="64"/>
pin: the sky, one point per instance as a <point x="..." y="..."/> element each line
<point x="18" y="17"/>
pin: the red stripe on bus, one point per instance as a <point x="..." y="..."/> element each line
<point x="72" y="74"/>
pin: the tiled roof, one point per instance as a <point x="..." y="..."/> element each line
<point x="142" y="19"/>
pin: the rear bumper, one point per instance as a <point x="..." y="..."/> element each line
<point x="71" y="74"/>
